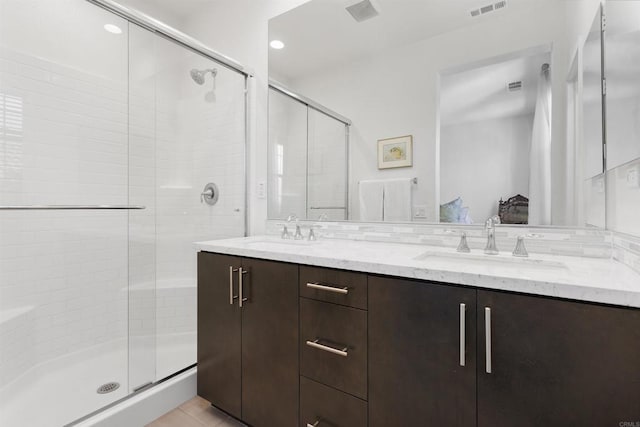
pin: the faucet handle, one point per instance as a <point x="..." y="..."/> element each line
<point x="520" y="250"/>
<point x="463" y="246"/>
<point x="312" y="235"/>
<point x="298" y="235"/>
<point x="285" y="233"/>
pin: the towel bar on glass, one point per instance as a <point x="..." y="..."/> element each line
<point x="70" y="207"/>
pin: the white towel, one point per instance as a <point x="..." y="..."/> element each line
<point x="371" y="200"/>
<point x="397" y="199"/>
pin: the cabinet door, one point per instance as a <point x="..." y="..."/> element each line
<point x="219" y="369"/>
<point x="270" y="372"/>
<point x="415" y="372"/>
<point x="557" y="363"/>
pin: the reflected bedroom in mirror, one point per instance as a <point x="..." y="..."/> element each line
<point x="500" y="108"/>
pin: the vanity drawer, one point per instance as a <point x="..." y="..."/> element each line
<point x="333" y="345"/>
<point x="327" y="284"/>
<point x="329" y="406"/>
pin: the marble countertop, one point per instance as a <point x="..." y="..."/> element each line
<point x="586" y="279"/>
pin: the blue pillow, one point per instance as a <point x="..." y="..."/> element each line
<point x="450" y="212"/>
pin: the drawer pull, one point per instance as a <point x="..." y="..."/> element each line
<point x="343" y="291"/>
<point x="314" y="424"/>
<point x="316" y="344"/>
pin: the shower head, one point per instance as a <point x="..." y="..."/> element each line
<point x="199" y="75"/>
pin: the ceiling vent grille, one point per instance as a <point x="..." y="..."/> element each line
<point x="514" y="86"/>
<point x="488" y="8"/>
<point x="363" y="10"/>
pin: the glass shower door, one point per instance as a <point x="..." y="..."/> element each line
<point x="187" y="130"/>
<point x="63" y="273"/>
<point x="327" y="175"/>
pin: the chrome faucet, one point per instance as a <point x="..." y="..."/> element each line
<point x="520" y="250"/>
<point x="285" y="231"/>
<point x="463" y="246"/>
<point x="490" y="226"/>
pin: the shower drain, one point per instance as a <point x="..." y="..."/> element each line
<point x="107" y="388"/>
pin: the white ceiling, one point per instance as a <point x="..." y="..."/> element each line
<point x="321" y="33"/>
<point x="481" y="93"/>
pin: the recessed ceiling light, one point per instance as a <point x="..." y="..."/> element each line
<point x="113" y="28"/>
<point x="276" y="44"/>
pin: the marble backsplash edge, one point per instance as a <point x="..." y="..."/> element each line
<point x="583" y="242"/>
<point x="626" y="249"/>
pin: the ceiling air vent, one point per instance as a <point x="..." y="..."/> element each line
<point x="514" y="86"/>
<point x="488" y="8"/>
<point x="363" y="10"/>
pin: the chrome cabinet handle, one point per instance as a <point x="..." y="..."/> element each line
<point x="315" y="344"/>
<point x="231" y="296"/>
<point x="487" y="338"/>
<point x="241" y="273"/>
<point x="343" y="291"/>
<point x="314" y="424"/>
<point x="463" y="308"/>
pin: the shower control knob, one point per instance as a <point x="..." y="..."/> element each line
<point x="210" y="194"/>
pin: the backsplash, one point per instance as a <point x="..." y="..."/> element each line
<point x="626" y="249"/>
<point x="593" y="243"/>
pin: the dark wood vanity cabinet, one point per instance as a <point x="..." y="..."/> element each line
<point x="556" y="363"/>
<point x="219" y="334"/>
<point x="417" y="332"/>
<point x="341" y="348"/>
<point x="248" y="356"/>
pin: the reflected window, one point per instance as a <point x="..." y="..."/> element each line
<point x="11" y="125"/>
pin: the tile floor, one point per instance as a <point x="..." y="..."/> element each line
<point x="196" y="412"/>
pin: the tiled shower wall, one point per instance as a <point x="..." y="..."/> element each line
<point x="63" y="275"/>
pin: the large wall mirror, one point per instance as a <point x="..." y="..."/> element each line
<point x="622" y="65"/>
<point x="440" y="111"/>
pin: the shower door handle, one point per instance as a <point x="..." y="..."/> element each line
<point x="69" y="207"/>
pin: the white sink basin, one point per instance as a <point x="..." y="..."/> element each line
<point x="448" y="259"/>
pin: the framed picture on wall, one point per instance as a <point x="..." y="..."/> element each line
<point x="395" y="152"/>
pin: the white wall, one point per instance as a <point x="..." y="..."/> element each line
<point x="483" y="162"/>
<point x="396" y="93"/>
